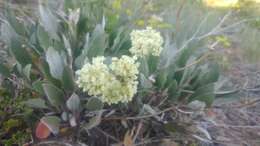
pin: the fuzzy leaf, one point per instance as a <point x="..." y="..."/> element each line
<point x="17" y="26"/>
<point x="37" y="86"/>
<point x="183" y="57"/>
<point x="152" y="63"/>
<point x="7" y="33"/>
<point x="144" y="68"/>
<point x="43" y="38"/>
<point x="211" y="75"/>
<point x="204" y="93"/>
<point x="98" y="42"/>
<point x="161" y="79"/>
<point x="52" y="122"/>
<point x="4" y="70"/>
<point x="27" y="71"/>
<point x="20" y="53"/>
<point x="55" y="62"/>
<point x="49" y="21"/>
<point x="54" y="95"/>
<point x="36" y="103"/>
<point x="73" y="103"/>
<point x="68" y="79"/>
<point x="94" y="104"/>
<point x="80" y="60"/>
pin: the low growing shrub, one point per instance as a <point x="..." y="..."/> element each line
<point x="95" y="75"/>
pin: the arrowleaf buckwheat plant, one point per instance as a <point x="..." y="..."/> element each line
<point x="93" y="72"/>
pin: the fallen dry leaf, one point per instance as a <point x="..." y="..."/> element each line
<point x="42" y="131"/>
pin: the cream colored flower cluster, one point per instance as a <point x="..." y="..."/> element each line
<point x="145" y="42"/>
<point x="114" y="83"/>
<point x="92" y="77"/>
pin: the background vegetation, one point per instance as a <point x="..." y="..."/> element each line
<point x="229" y="36"/>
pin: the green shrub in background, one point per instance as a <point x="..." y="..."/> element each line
<point x="171" y="73"/>
<point x="13" y="115"/>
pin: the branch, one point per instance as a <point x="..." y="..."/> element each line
<point x="214" y="30"/>
<point x="195" y="34"/>
<point x="139" y="117"/>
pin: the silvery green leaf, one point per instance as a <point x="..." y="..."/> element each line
<point x="173" y="90"/>
<point x="144" y="68"/>
<point x="73" y="103"/>
<point x="94" y="104"/>
<point x="7" y="33"/>
<point x="80" y="61"/>
<point x="67" y="45"/>
<point x="54" y="94"/>
<point x="37" y="86"/>
<point x="52" y="122"/>
<point x="66" y="42"/>
<point x="56" y="63"/>
<point x="4" y="70"/>
<point x="19" y="52"/>
<point x="36" y="103"/>
<point x="49" y="21"/>
<point x="211" y="75"/>
<point x="27" y="71"/>
<point x="98" y="42"/>
<point x="68" y="80"/>
<point x="120" y="39"/>
<point x="19" y="68"/>
<point x="161" y="78"/>
<point x="18" y="26"/>
<point x="43" y="38"/>
<point x="152" y="62"/>
<point x="205" y="94"/>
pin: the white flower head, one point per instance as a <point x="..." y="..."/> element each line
<point x="145" y="42"/>
<point x="92" y="77"/>
<point x="113" y="83"/>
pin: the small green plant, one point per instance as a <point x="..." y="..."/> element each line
<point x="92" y="72"/>
<point x="13" y="113"/>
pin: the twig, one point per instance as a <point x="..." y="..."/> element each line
<point x="107" y="135"/>
<point x="238" y="23"/>
<point x="162" y="101"/>
<point x="195" y="34"/>
<point x="139" y="117"/>
<point x="140" y="125"/>
<point x="54" y="142"/>
<point x="214" y="30"/>
<point x="236" y="126"/>
<point x="195" y="62"/>
<point x="148" y="116"/>
<point x="248" y="104"/>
